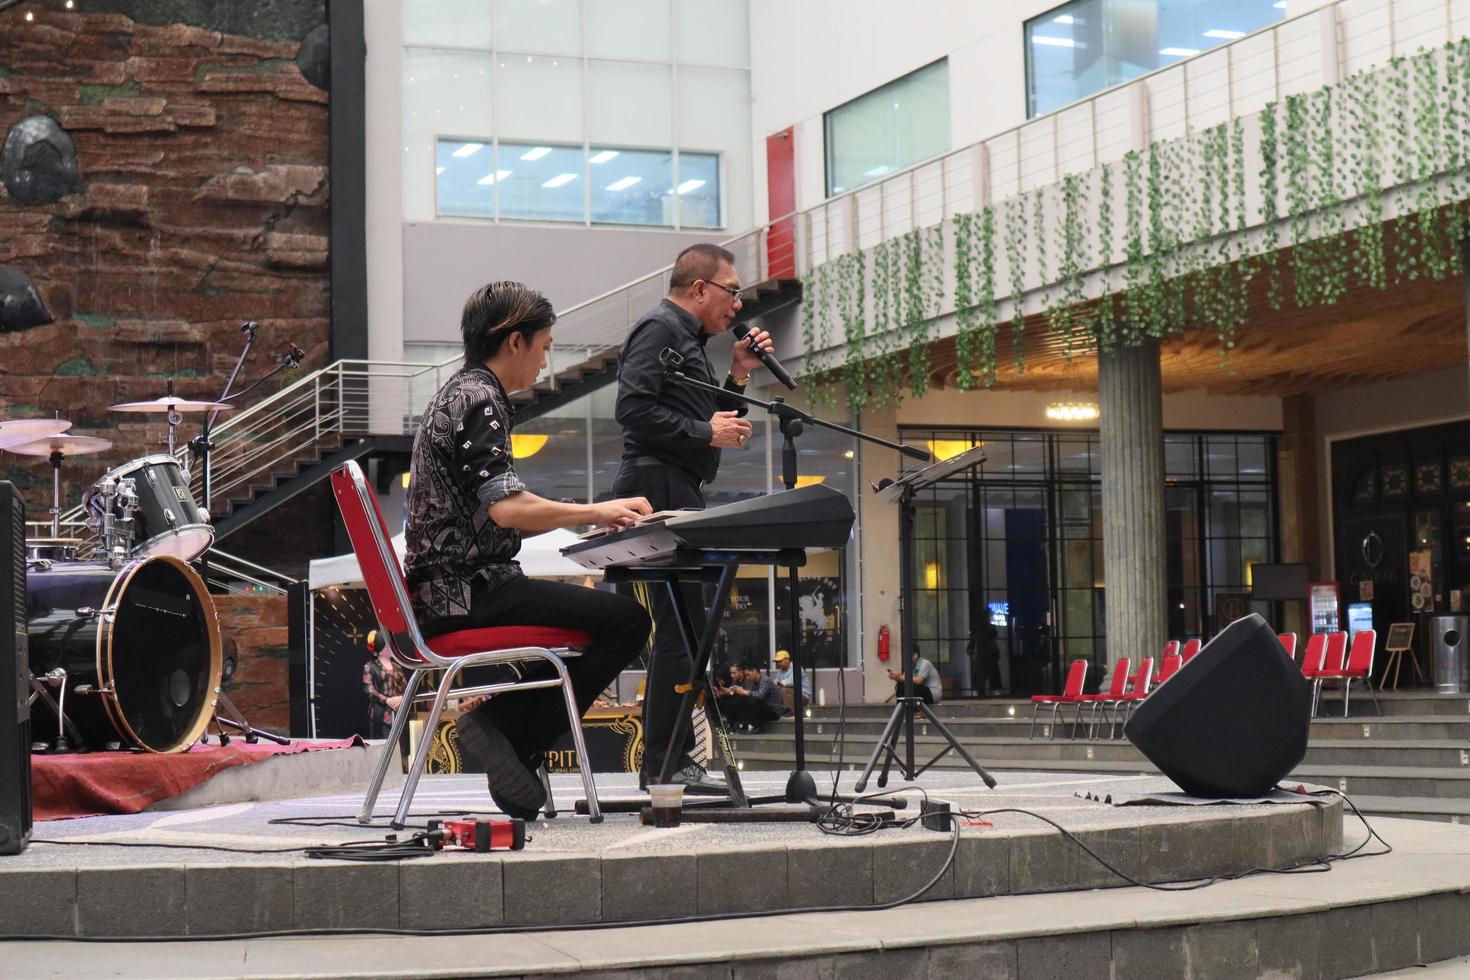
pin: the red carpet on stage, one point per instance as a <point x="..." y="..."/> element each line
<point x="92" y="783"/>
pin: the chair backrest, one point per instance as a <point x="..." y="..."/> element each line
<point x="1288" y="643"/>
<point x="1332" y="659"/>
<point x="1144" y="677"/>
<point x="1171" y="649"/>
<point x="1120" y="678"/>
<point x="1312" y="658"/>
<point x="1360" y="654"/>
<point x="381" y="572"/>
<point x="1076" y="677"/>
<point x="1169" y="666"/>
<point x="1191" y="647"/>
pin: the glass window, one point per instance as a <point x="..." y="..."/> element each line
<point x="891" y="127"/>
<point x="629" y="104"/>
<point x="445" y="94"/>
<point x="699" y="190"/>
<point x="631" y="187"/>
<point x="465" y="175"/>
<point x="538" y="98"/>
<point x="447" y="23"/>
<point x="549" y="26"/>
<point x="714" y="32"/>
<point x="539" y="181"/>
<point x="1085" y="46"/>
<point x="635" y="29"/>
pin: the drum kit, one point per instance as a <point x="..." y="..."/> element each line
<point x="121" y="622"/>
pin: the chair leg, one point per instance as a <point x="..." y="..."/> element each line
<point x="549" y="809"/>
<point x="1316" y="695"/>
<point x="421" y="756"/>
<point x="1054" y="709"/>
<point x="1373" y="690"/>
<point x="1035" y="711"/>
<point x="584" y="764"/>
<point x="1347" y="691"/>
<point x="390" y="750"/>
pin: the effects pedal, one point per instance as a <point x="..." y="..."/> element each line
<point x="478" y="835"/>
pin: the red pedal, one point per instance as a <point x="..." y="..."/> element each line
<point x="481" y="835"/>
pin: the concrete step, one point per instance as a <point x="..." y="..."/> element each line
<point x="1415" y="807"/>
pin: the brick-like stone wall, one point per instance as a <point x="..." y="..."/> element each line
<point x="255" y="633"/>
<point x="199" y="201"/>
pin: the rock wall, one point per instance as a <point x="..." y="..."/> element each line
<point x="255" y="633"/>
<point x="164" y="182"/>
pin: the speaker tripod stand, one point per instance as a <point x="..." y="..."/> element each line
<point x="907" y="704"/>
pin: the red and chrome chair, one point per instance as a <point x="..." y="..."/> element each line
<point x="1358" y="667"/>
<point x="1333" y="656"/>
<point x="1071" y="694"/>
<point x="1115" y="691"/>
<point x="450" y="653"/>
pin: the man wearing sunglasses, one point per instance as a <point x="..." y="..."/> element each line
<point x="672" y="438"/>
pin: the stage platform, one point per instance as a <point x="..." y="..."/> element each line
<point x="1018" y="899"/>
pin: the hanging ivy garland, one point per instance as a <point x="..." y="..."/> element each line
<point x="1175" y="218"/>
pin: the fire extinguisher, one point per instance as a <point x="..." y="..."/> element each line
<point x="883" y="643"/>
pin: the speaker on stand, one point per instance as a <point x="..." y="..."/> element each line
<point x="15" y="712"/>
<point x="1233" y="721"/>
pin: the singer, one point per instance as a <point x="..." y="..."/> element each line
<point x="467" y="511"/>
<point x="672" y="437"/>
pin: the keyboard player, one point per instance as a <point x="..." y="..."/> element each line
<point x="672" y="438"/>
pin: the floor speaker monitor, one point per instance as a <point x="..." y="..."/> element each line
<point x="1233" y="721"/>
<point x="15" y="726"/>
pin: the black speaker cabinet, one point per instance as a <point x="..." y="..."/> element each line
<point x="1233" y="721"/>
<point x="15" y="724"/>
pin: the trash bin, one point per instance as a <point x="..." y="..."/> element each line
<point x="1448" y="648"/>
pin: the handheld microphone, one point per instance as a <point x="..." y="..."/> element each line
<point x="742" y="330"/>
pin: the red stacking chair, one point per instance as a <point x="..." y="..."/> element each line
<point x="1142" y="681"/>
<point x="1332" y="663"/>
<point x="1191" y="647"/>
<point x="451" y="652"/>
<point x="1312" y="656"/>
<point x="1288" y="643"/>
<point x="1168" y="667"/>
<point x="1071" y="694"/>
<point x="1094" y="701"/>
<point x="1359" y="666"/>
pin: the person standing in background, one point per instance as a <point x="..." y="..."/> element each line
<point x="383" y="683"/>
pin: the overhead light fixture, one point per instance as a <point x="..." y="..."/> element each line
<point x="809" y="481"/>
<point x="1224" y="35"/>
<point x="468" y="150"/>
<point x="524" y="445"/>
<point x="1072" y="411"/>
<point x="931" y="574"/>
<point x="489" y="179"/>
<point x="624" y="184"/>
<point x="559" y="180"/>
<point x="1064" y="19"/>
<point x="440" y="170"/>
<point x="690" y="185"/>
<point x="942" y="449"/>
<point x="1179" y="52"/>
<point x="536" y="154"/>
<point x="1053" y="42"/>
<point x="1279" y="4"/>
<point x="602" y="156"/>
<point x="877" y="171"/>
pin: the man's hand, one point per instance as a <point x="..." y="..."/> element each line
<point x="742" y="355"/>
<point x="895" y="676"/>
<point x="621" y="512"/>
<point x="394" y="702"/>
<point x="730" y="431"/>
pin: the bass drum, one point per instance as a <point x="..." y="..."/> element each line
<point x="143" y="641"/>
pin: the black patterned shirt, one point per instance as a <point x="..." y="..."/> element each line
<point x="462" y="464"/>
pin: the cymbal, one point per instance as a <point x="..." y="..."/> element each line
<point x="29" y="430"/>
<point x="66" y="445"/>
<point x="171" y="403"/>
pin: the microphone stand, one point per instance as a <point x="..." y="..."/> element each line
<point x="801" y="787"/>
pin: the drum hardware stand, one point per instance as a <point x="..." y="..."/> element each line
<point x="236" y="719"/>
<point x="800" y="787"/>
<point x="56" y="677"/>
<point x="907" y="706"/>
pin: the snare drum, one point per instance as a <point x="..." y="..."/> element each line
<point x="141" y="642"/>
<point x="166" y="521"/>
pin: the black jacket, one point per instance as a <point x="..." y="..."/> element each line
<point x="664" y="421"/>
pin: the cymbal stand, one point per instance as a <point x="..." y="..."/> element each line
<point x="56" y="459"/>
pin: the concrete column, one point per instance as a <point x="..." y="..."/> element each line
<point x="1132" y="436"/>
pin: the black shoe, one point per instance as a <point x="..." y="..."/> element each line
<point x="514" y="787"/>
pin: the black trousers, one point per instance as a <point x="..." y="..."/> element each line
<point x="534" y="720"/>
<point x="667" y="488"/>
<point x="920" y="691"/>
<point x="746" y="710"/>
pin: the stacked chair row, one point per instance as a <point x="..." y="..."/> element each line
<point x="1330" y="657"/>
<point x="1125" y="691"/>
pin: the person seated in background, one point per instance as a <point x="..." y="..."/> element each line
<point x="785" y="678"/>
<point x="927" y="685"/>
<point x="754" y="702"/>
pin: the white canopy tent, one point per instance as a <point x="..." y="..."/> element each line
<point x="540" y="557"/>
